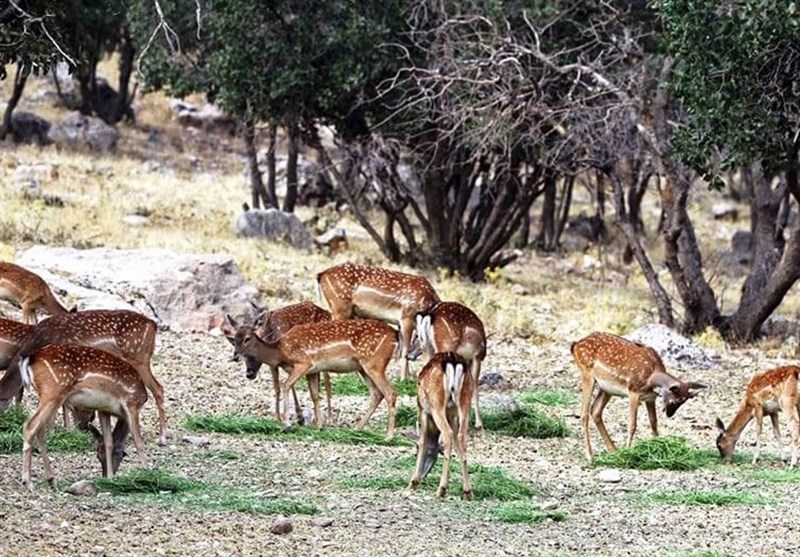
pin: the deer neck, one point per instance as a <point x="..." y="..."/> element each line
<point x="264" y="352"/>
<point x="739" y="422"/>
<point x="660" y="381"/>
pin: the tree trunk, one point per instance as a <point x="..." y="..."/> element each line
<point x="20" y="78"/>
<point x="293" y="154"/>
<point x="258" y="192"/>
<point x="272" y="196"/>
<point x="122" y="104"/>
<point x="547" y="229"/>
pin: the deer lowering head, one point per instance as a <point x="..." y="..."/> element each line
<point x="377" y="293"/>
<point x="767" y="393"/>
<point x="364" y="346"/>
<point x="28" y="291"/>
<point x="619" y="367"/>
<point x="453" y="327"/>
<point x="444" y="393"/>
<point x="126" y="334"/>
<point x="271" y="325"/>
<point x="85" y="379"/>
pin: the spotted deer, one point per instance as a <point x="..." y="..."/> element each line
<point x="12" y="335"/>
<point x="453" y="327"/>
<point x="84" y="379"/>
<point x="620" y="367"/>
<point x="273" y="324"/>
<point x="767" y="393"/>
<point x="444" y="394"/>
<point x="361" y="345"/>
<point x="27" y="290"/>
<point x="126" y="334"/>
<point x="376" y="293"/>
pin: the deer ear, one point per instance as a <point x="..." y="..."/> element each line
<point x="720" y="426"/>
<point x="697" y="386"/>
<point x="674" y="388"/>
<point x="231" y="320"/>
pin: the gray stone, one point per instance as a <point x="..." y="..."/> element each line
<point x="321" y="521"/>
<point x="29" y="128"/>
<point x="79" y="130"/>
<point x="674" y="349"/>
<point x="282" y="525"/>
<point x="548" y="506"/>
<point x="274" y="226"/>
<point x="196" y="441"/>
<point x="725" y="210"/>
<point x="493" y="381"/>
<point x="82" y="488"/>
<point x="609" y="475"/>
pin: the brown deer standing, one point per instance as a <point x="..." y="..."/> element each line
<point x="444" y="394"/>
<point x="126" y="334"/>
<point x="271" y="325"/>
<point x="27" y="290"/>
<point x="85" y="379"/>
<point x="767" y="393"/>
<point x="620" y="367"/>
<point x="374" y="292"/>
<point x="361" y="345"/>
<point x="12" y="335"/>
<point x="453" y="327"/>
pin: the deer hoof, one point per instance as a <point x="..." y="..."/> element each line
<point x="441" y="492"/>
<point x="468" y="495"/>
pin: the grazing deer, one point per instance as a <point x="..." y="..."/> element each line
<point x="271" y="325"/>
<point x="444" y="393"/>
<point x="85" y="379"/>
<point x="620" y="367"/>
<point x="376" y="293"/>
<point x="361" y="345"/>
<point x="126" y="334"/>
<point x="453" y="327"/>
<point x="12" y="335"/>
<point x="767" y="393"/>
<point x="27" y="290"/>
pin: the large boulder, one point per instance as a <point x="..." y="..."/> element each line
<point x="273" y="225"/>
<point x="27" y="127"/>
<point x="180" y="291"/>
<point x="675" y="350"/>
<point x="79" y="130"/>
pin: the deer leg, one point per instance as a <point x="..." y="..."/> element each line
<point x="795" y="425"/>
<point x="406" y="330"/>
<point x="299" y="370"/>
<point x="376" y="375"/>
<point x="652" y="415"/>
<point x="758" y="411"/>
<point x="33" y="432"/>
<point x="632" y="412"/>
<point x="29" y="314"/>
<point x="374" y="400"/>
<point x="476" y="373"/>
<point x="441" y="421"/>
<point x="776" y="428"/>
<point x="327" y="378"/>
<point x="136" y="432"/>
<point x="276" y="386"/>
<point x="459" y="422"/>
<point x="418" y="474"/>
<point x="598" y="405"/>
<point x="105" y="428"/>
<point x="587" y="386"/>
<point x="313" y="390"/>
<point x="157" y="390"/>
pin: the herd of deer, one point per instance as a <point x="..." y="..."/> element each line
<point x="98" y="362"/>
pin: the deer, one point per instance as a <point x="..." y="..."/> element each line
<point x="29" y="291"/>
<point x="376" y="293"/>
<point x="85" y="379"/>
<point x="361" y="345"/>
<point x="444" y="395"/>
<point x="767" y="393"/>
<point x="271" y="325"/>
<point x="126" y="334"/>
<point x="12" y="335"/>
<point x="620" y="367"/>
<point x="453" y="327"/>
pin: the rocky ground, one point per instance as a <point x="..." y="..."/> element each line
<point x="601" y="518"/>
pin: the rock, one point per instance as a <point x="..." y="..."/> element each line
<point x="495" y="402"/>
<point x="548" y="506"/>
<point x="273" y="225"/>
<point x="282" y="525"/>
<point x="134" y="220"/>
<point x="520" y="290"/>
<point x="196" y="441"/>
<point x="29" y="128"/>
<point x="725" y="210"/>
<point x="41" y="172"/>
<point x="208" y="117"/>
<point x="180" y="291"/>
<point x="742" y="246"/>
<point x="321" y="521"/>
<point x="335" y="240"/>
<point x="82" y="488"/>
<point x="609" y="476"/>
<point x="315" y="475"/>
<point x="372" y="523"/>
<point x="674" y="349"/>
<point x="493" y="381"/>
<point x="79" y="130"/>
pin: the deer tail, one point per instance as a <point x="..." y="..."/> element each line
<point x="25" y="371"/>
<point x="424" y="329"/>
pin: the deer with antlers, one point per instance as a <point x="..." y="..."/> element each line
<point x="126" y="334"/>
<point x="362" y="345"/>
<point x="85" y="379"/>
<point x="444" y="394"/>
<point x="453" y="327"/>
<point x="768" y="392"/>
<point x="620" y="367"/>
<point x="271" y="325"/>
<point x="27" y="290"/>
<point x="376" y="293"/>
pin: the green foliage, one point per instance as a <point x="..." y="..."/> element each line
<point x="351" y="384"/>
<point x="13" y="419"/>
<point x="58" y="439"/>
<point x="784" y="475"/>
<point x="549" y="398"/>
<point x="24" y="37"/>
<point x="233" y="500"/>
<point x="525" y="422"/>
<point x="140" y="480"/>
<point x="273" y="429"/>
<point x="405" y="416"/>
<point x="525" y="512"/>
<point x="669" y="453"/>
<point x="713" y="498"/>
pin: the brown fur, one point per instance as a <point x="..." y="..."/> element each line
<point x="27" y="290"/>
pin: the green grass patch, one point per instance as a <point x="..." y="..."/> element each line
<point x="226" y="500"/>
<point x="712" y="498"/>
<point x="351" y="384"/>
<point x="521" y="512"/>
<point x="549" y="398"/>
<point x="58" y="440"/>
<point x="141" y="480"/>
<point x="525" y="422"/>
<point x="273" y="429"/>
<point x="12" y="419"/>
<point x="669" y="453"/>
<point x="405" y="416"/>
<point x="786" y="475"/>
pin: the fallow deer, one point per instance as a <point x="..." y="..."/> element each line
<point x="453" y="327"/>
<point x="12" y="335"/>
<point x="126" y="334"/>
<point x="374" y="292"/>
<point x="767" y="393"/>
<point x="271" y="325"/>
<point x="27" y="290"/>
<point x="620" y="367"/>
<point x="361" y="345"/>
<point x="85" y="379"/>
<point x="444" y="394"/>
